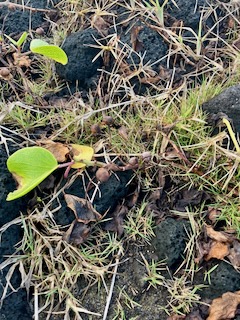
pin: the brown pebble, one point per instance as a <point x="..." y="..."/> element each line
<point x="40" y="31"/>
<point x="108" y="120"/>
<point x="102" y="174"/>
<point x="4" y="72"/>
<point x="95" y="129"/>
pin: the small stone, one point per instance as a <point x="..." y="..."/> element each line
<point x="40" y="31"/>
<point x="102" y="174"/>
<point x="108" y="120"/>
<point x="95" y="129"/>
<point x="4" y="72"/>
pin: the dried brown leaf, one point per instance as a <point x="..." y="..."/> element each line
<point x="82" y="208"/>
<point x="117" y="221"/>
<point x="218" y="250"/>
<point x="137" y="45"/>
<point x="77" y="233"/>
<point x="234" y="255"/>
<point x="225" y="307"/>
<point x="213" y="214"/>
<point x="216" y="235"/>
<point x="58" y="149"/>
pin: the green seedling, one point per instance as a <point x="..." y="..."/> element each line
<point x="50" y="51"/>
<point x="41" y="47"/>
<point x="30" y="166"/>
<point x="20" y="41"/>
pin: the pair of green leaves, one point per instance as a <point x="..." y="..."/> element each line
<point x="41" y="47"/>
<point x="30" y="166"/>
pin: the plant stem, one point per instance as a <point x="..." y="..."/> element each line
<point x="67" y="164"/>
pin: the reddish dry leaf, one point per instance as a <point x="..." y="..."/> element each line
<point x="225" y="307"/>
<point x="82" y="209"/>
<point x="100" y="24"/>
<point x="218" y="250"/>
<point x="216" y="235"/>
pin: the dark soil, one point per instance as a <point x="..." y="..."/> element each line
<point x="171" y="232"/>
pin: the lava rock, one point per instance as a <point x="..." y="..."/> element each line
<point x="223" y="279"/>
<point x="170" y="241"/>
<point x="188" y="11"/>
<point x="228" y="102"/>
<point x="80" y="55"/>
<point x="151" y="46"/>
<point x="105" y="200"/>
<point x="14" y="22"/>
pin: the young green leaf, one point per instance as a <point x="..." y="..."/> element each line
<point x="30" y="166"/>
<point x="11" y="40"/>
<point x="50" y="51"/>
<point x="22" y="39"/>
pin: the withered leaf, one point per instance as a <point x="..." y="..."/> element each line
<point x="218" y="250"/>
<point x="58" y="149"/>
<point x="77" y="233"/>
<point x="234" y="255"/>
<point x="117" y="221"/>
<point x="137" y="45"/>
<point x="192" y="197"/>
<point x="216" y="235"/>
<point x="82" y="208"/>
<point x="225" y="307"/>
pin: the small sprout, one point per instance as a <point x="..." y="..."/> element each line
<point x="20" y="41"/>
<point x="95" y="129"/>
<point x="102" y="175"/>
<point x="108" y="120"/>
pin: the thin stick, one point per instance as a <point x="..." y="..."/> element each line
<point x="36" y="304"/>
<point x="109" y="297"/>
